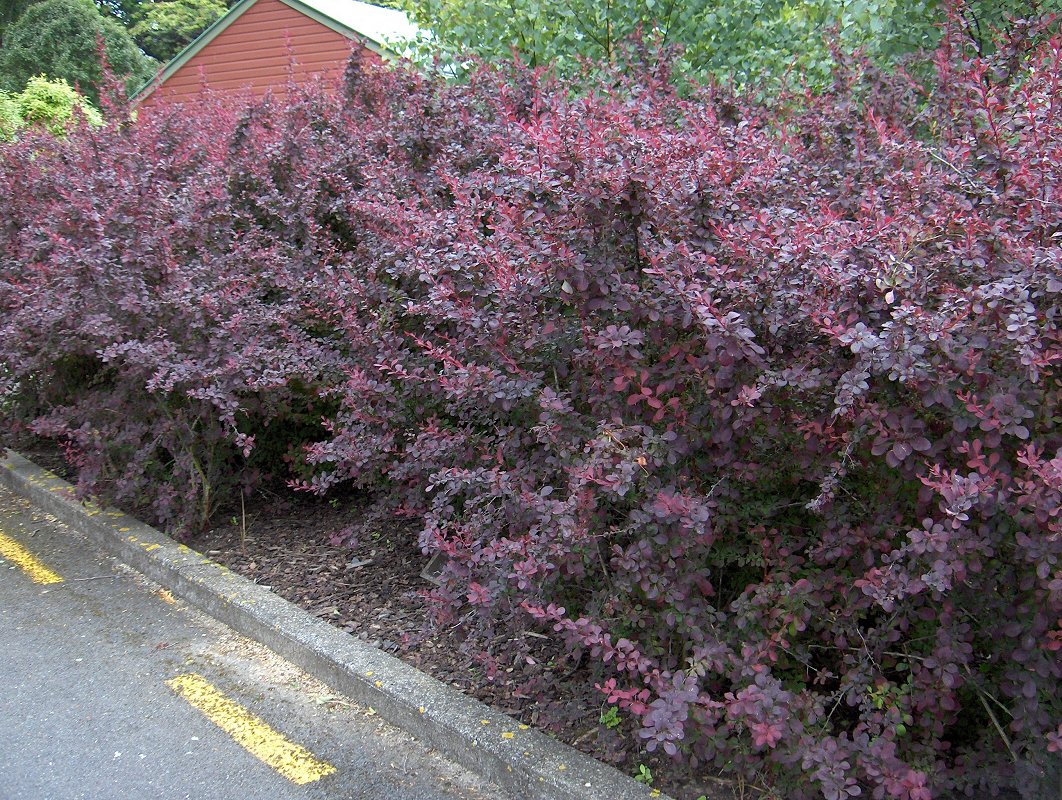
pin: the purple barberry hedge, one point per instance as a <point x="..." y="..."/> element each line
<point x="755" y="406"/>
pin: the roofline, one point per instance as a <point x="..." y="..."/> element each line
<point x="193" y="47"/>
<point x="338" y="27"/>
<point x="225" y="20"/>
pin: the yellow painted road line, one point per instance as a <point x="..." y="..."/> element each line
<point x="18" y="555"/>
<point x="295" y="763"/>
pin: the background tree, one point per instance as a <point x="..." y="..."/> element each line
<point x="125" y="11"/>
<point x="163" y="29"/>
<point x="11" y="10"/>
<point x="750" y="41"/>
<point x="58" y="38"/>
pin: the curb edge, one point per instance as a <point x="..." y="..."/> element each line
<point x="527" y="763"/>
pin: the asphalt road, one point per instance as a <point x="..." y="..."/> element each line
<point x="109" y="688"/>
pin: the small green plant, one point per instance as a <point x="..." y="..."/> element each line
<point x="886" y="696"/>
<point x="10" y="118"/>
<point x="610" y="718"/>
<point x="645" y="775"/>
<point x="53" y="104"/>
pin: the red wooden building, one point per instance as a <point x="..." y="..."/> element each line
<point x="255" y="46"/>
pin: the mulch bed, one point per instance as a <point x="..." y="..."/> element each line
<point x="374" y="590"/>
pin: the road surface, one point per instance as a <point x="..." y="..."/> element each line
<point x="111" y="688"/>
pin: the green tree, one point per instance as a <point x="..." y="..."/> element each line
<point x="749" y="41"/>
<point x="58" y="38"/>
<point x="10" y="10"/>
<point x="164" y="28"/>
<point x="125" y="11"/>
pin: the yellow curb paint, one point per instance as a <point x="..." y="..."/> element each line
<point x="166" y="597"/>
<point x="294" y="762"/>
<point x="24" y="560"/>
<point x="150" y="547"/>
<point x="508" y="735"/>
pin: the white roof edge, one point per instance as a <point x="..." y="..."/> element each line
<point x="381" y="25"/>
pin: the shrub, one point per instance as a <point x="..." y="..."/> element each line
<point x="10" y="118"/>
<point x="756" y="408"/>
<point x="53" y="104"/>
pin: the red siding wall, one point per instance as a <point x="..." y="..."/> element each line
<point x="255" y="51"/>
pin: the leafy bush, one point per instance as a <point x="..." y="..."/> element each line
<point x="52" y="104"/>
<point x="757" y="409"/>
<point x="10" y="118"/>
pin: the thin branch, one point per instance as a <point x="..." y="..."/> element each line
<point x="991" y="715"/>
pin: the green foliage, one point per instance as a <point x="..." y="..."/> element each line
<point x="58" y="38"/>
<point x="163" y="29"/>
<point x="752" y="42"/>
<point x="10" y="119"/>
<point x="645" y="775"/>
<point x="611" y="718"/>
<point x="10" y="10"/>
<point x="53" y="104"/>
<point x="123" y="10"/>
<point x="542" y="31"/>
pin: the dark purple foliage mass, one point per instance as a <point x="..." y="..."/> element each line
<point x="758" y="409"/>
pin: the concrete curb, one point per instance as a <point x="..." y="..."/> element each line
<point x="527" y="763"/>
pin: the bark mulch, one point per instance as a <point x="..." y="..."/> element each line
<point x="374" y="590"/>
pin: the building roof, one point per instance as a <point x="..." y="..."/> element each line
<point x="380" y="25"/>
<point x="382" y="29"/>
